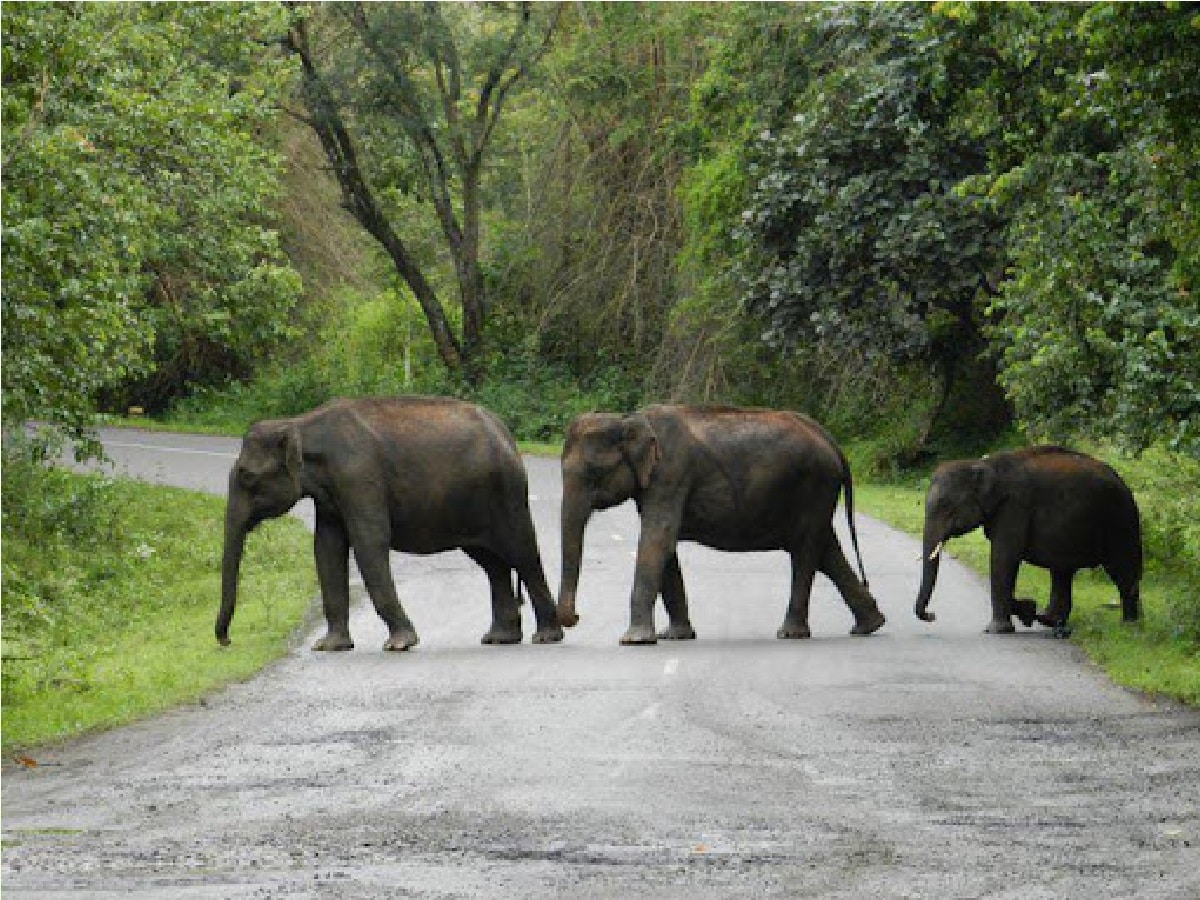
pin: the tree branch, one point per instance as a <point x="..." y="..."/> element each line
<point x="339" y="148"/>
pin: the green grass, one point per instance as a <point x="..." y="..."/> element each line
<point x="116" y="622"/>
<point x="223" y="428"/>
<point x="1159" y="654"/>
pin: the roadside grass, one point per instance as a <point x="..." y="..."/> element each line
<point x="220" y="428"/>
<point x="112" y="620"/>
<point x="1160" y="654"/>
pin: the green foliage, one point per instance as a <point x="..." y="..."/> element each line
<point x="110" y="589"/>
<point x="361" y="345"/>
<point x="854" y="236"/>
<point x="135" y="179"/>
<point x="406" y="99"/>
<point x="375" y="346"/>
<point x="1094" y="336"/>
<point x="590" y="273"/>
<point x="1167" y="487"/>
<point x="537" y="399"/>
<point x="1089" y="116"/>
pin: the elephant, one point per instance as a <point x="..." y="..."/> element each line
<point x="415" y="474"/>
<point x="732" y="479"/>
<point x="1048" y="506"/>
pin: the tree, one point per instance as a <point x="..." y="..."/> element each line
<point x="1089" y="113"/>
<point x="134" y="182"/>
<point x="855" y="235"/>
<point x="406" y="99"/>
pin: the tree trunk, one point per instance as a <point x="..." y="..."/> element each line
<point x="339" y="148"/>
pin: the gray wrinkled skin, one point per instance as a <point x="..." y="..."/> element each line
<point x="910" y="764"/>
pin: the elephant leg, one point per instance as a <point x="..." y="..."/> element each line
<point x="804" y="571"/>
<point x="506" y="611"/>
<point x="867" y="617"/>
<point x="372" y="553"/>
<point x="655" y="545"/>
<point x="1059" y="610"/>
<point x="528" y="566"/>
<point x="1122" y="575"/>
<point x="1004" y="566"/>
<point x="332" y="551"/>
<point x="679" y="626"/>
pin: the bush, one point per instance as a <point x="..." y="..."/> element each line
<point x="537" y="399"/>
<point x="46" y="511"/>
<point x="1167" y="487"/>
<point x="378" y="346"/>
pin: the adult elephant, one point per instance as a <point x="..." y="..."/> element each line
<point x="732" y="479"/>
<point x="417" y="474"/>
<point x="1047" y="506"/>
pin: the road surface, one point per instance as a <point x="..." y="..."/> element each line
<point x="926" y="761"/>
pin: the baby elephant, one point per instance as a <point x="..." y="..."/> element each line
<point x="417" y="474"/>
<point x="1053" y="508"/>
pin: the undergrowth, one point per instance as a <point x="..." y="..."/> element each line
<point x="111" y="588"/>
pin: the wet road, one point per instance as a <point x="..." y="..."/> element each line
<point x="924" y="761"/>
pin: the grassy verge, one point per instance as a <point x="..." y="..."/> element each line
<point x="1159" y="654"/>
<point x="110" y="593"/>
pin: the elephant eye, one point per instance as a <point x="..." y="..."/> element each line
<point x="248" y="478"/>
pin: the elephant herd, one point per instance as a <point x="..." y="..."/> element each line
<point x="428" y="474"/>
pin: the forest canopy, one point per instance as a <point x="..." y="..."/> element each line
<point x="956" y="217"/>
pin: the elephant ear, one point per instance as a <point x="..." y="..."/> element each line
<point x="639" y="443"/>
<point x="281" y="442"/>
<point x="987" y="485"/>
<point x="293" y="454"/>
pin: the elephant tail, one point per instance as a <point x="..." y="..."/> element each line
<point x="849" y="489"/>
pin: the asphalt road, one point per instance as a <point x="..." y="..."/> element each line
<point x="926" y="761"/>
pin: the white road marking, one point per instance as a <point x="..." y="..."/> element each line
<point x="671" y="667"/>
<point x="163" y="449"/>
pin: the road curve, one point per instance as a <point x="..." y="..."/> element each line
<point x="924" y="761"/>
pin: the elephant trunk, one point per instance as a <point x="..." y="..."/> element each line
<point x="931" y="557"/>
<point x="575" y="515"/>
<point x="237" y="527"/>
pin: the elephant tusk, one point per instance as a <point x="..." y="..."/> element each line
<point x="936" y="552"/>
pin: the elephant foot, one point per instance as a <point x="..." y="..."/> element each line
<point x="334" y="642"/>
<point x="401" y="640"/>
<point x="1000" y="626"/>
<point x="550" y="635"/>
<point x="639" y="637"/>
<point x="1059" y="629"/>
<point x="869" y="623"/>
<point x="788" y="632"/>
<point x="1026" y="611"/>
<point x="499" y="635"/>
<point x="681" y="632"/>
